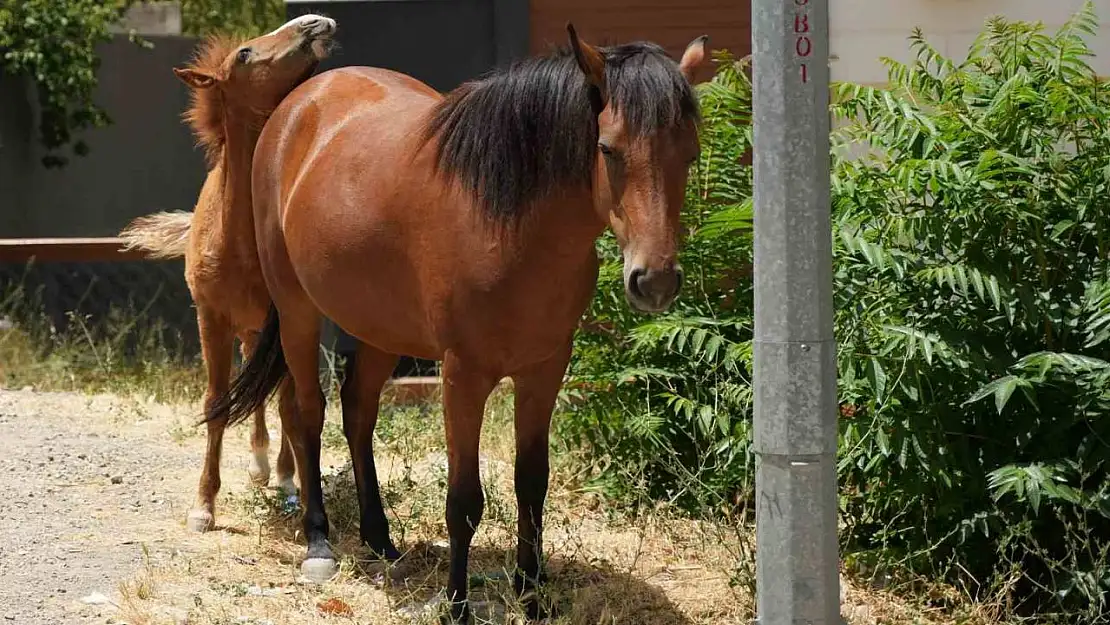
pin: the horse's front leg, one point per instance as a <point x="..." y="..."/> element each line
<point x="465" y="391"/>
<point x="536" y="389"/>
<point x="217" y="340"/>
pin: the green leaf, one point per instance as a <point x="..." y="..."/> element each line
<point x="876" y="376"/>
<point x="1001" y="389"/>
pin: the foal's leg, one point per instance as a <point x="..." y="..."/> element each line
<point x="285" y="464"/>
<point x="216" y="341"/>
<point x="367" y="372"/>
<point x="465" y="391"/>
<point x="303" y="416"/>
<point x="536" y="389"/>
<point x="259" y="466"/>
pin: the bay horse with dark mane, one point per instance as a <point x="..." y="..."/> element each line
<point x="461" y="228"/>
<point x="235" y="85"/>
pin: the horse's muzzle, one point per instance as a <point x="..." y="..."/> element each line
<point x="653" y="290"/>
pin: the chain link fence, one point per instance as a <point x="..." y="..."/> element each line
<point x="105" y="300"/>
<point x="129" y="302"/>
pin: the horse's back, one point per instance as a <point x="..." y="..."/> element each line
<point x="340" y="102"/>
<point x="337" y="125"/>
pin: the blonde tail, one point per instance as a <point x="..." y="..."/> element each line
<point x="161" y="235"/>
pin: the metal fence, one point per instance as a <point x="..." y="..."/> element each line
<point x="105" y="300"/>
<point x="133" y="303"/>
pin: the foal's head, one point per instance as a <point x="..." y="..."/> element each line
<point x="647" y="139"/>
<point x="252" y="76"/>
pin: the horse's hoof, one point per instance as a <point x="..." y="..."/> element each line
<point x="259" y="479"/>
<point x="319" y="570"/>
<point x="387" y="554"/>
<point x="200" y="521"/>
<point x="258" y="468"/>
<point x="533" y="609"/>
<point x="449" y="619"/>
<point x="456" y="613"/>
<point x="286" y="486"/>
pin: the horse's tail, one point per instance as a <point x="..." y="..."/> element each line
<point x="259" y="377"/>
<point x="161" y="235"/>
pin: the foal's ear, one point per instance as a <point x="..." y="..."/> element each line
<point x="589" y="60"/>
<point x="693" y="57"/>
<point x="195" y="78"/>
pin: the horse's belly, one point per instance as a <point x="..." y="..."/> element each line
<point x="379" y="302"/>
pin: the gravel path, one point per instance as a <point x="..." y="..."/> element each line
<point x="86" y="483"/>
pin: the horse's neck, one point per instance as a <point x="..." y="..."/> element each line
<point x="565" y="228"/>
<point x="237" y="218"/>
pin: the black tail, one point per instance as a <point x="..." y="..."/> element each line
<point x="259" y="377"/>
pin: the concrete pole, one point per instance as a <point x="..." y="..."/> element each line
<point x="795" y="351"/>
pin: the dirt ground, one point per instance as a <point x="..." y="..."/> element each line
<point x="94" y="492"/>
<point x="85" y="485"/>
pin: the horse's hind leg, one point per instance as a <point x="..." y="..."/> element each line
<point x="366" y="373"/>
<point x="285" y="465"/>
<point x="303" y="422"/>
<point x="217" y="342"/>
<point x="465" y="391"/>
<point x="258" y="467"/>
<point x="536" y="389"/>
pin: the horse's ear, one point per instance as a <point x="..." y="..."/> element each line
<point x="195" y="78"/>
<point x="589" y="60"/>
<point x="693" y="57"/>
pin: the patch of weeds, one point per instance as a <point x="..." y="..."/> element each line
<point x="266" y="507"/>
<point x="124" y="353"/>
<point x="182" y="431"/>
<point x="332" y="436"/>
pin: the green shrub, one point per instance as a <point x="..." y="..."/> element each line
<point x="53" y="42"/>
<point x="675" y="423"/>
<point x="247" y="18"/>
<point x="972" y="315"/>
<point x="972" y="312"/>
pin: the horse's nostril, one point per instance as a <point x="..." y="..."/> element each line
<point x="318" y="26"/>
<point x="634" y="278"/>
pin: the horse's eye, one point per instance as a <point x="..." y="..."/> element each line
<point x="605" y="149"/>
<point x="244" y="55"/>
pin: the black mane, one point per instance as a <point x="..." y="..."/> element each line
<point x="518" y="134"/>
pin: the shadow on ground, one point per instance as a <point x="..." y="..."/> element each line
<point x="578" y="592"/>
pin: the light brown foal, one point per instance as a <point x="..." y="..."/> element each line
<point x="235" y="86"/>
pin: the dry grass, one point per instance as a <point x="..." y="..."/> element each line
<point x="120" y="356"/>
<point x="604" y="568"/>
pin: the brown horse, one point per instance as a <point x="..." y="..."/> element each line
<point x="235" y="86"/>
<point x="461" y="228"/>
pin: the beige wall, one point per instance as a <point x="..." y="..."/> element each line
<point x="864" y="30"/>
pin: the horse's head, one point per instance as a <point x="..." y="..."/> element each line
<point x="258" y="73"/>
<point x="647" y="139"/>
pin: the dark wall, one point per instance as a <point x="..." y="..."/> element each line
<point x="441" y="42"/>
<point x="144" y="161"/>
<point x="15" y="150"/>
<point x="147" y="161"/>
